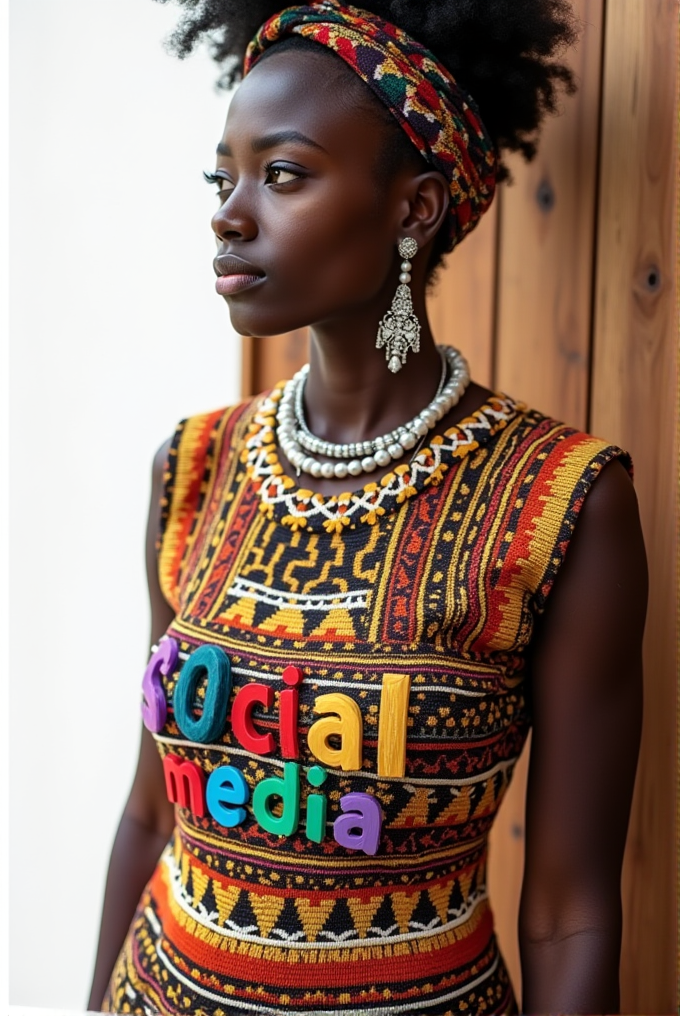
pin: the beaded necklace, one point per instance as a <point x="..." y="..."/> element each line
<point x="301" y="508"/>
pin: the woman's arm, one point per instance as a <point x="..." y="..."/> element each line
<point x="148" y="818"/>
<point x="587" y="696"/>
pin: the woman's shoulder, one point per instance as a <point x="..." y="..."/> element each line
<point x="542" y="473"/>
<point x="556" y="448"/>
<point x="185" y="466"/>
<point x="195" y="433"/>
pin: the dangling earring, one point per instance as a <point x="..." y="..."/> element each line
<point x="399" y="330"/>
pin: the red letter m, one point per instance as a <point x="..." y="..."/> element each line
<point x="184" y="784"/>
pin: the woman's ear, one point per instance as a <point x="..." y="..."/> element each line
<point x="429" y="197"/>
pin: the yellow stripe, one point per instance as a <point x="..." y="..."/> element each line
<point x="172" y="551"/>
<point x="556" y="503"/>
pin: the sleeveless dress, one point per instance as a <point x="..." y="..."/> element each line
<point x="397" y="620"/>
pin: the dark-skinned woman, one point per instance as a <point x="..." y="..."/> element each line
<point x="369" y="583"/>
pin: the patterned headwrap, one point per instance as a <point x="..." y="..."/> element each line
<point x="440" y="119"/>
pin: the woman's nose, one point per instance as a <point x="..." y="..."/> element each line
<point x="232" y="220"/>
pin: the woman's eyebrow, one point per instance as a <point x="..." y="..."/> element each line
<point x="271" y="140"/>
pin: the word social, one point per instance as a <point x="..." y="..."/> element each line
<point x="335" y="739"/>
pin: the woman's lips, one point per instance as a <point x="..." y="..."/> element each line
<point x="227" y="285"/>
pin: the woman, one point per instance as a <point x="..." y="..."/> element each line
<point x="372" y="581"/>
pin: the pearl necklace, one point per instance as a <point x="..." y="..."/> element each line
<point x="318" y="446"/>
<point x="296" y="440"/>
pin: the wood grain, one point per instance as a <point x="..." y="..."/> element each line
<point x="461" y="307"/>
<point x="634" y="403"/>
<point x="547" y="222"/>
<point x="545" y="273"/>
<point x="269" y="360"/>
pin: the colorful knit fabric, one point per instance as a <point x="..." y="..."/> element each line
<point x="438" y="116"/>
<point x="413" y="622"/>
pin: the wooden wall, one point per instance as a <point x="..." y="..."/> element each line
<point x="565" y="296"/>
<point x="634" y="400"/>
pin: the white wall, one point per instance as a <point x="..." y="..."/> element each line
<point x="116" y="334"/>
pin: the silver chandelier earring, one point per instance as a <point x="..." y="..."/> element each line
<point x="399" y="330"/>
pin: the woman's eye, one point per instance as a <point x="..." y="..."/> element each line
<point x="223" y="184"/>
<point x="277" y="174"/>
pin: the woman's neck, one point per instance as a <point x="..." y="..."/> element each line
<point x="351" y="395"/>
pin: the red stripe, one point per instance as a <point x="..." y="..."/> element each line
<point x="320" y="974"/>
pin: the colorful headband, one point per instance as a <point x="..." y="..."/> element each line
<point x="440" y="119"/>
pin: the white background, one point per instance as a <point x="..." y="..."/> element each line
<point x="116" y="333"/>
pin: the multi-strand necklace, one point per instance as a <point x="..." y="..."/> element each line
<point x="300" y="446"/>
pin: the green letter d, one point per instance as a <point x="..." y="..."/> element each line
<point x="288" y="789"/>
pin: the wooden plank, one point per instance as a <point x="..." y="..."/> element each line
<point x="545" y="268"/>
<point x="274" y="358"/>
<point x="248" y="366"/>
<point x="461" y="305"/>
<point x="547" y="221"/>
<point x="634" y="403"/>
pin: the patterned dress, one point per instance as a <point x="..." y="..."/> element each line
<point x="409" y="605"/>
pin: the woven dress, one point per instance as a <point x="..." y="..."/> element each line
<point x="404" y="611"/>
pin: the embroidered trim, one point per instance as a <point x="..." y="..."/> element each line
<point x="300" y="508"/>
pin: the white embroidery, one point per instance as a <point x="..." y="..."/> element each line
<point x="296" y="507"/>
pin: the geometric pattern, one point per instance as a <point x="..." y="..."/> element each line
<point x="444" y="587"/>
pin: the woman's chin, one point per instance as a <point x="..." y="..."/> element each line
<point x="247" y="321"/>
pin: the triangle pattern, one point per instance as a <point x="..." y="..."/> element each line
<point x="225" y="899"/>
<point x="288" y="622"/>
<point x="456" y="897"/>
<point x="487" y="802"/>
<point x="416" y="811"/>
<point x="289" y="921"/>
<point x="184" y="869"/>
<point x="340" y="917"/>
<point x="363" y="912"/>
<point x="267" y="911"/>
<point x="313" y="915"/>
<point x="458" y="809"/>
<point x="425" y="913"/>
<point x="242" y="914"/>
<point x="465" y="881"/>
<point x="188" y="882"/>
<point x="439" y="898"/>
<point x="336" y="625"/>
<point x="403" y="905"/>
<point x="241" y="613"/>
<point x="209" y="901"/>
<point x="384" y="919"/>
<point x="200" y="883"/>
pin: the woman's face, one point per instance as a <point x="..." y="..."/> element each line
<point x="300" y="201"/>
